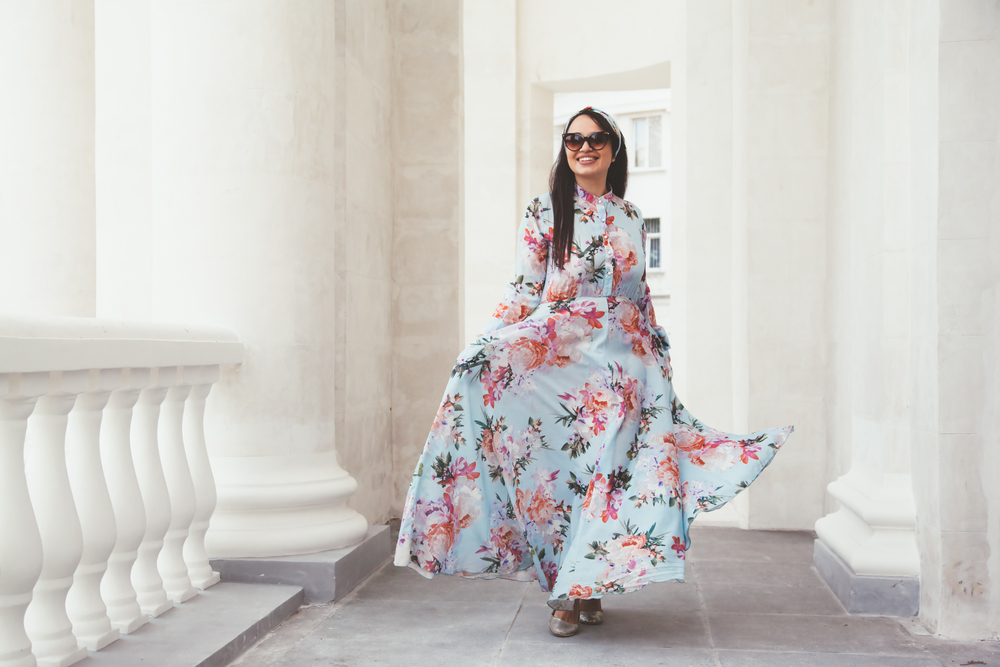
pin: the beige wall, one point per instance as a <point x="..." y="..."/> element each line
<point x="427" y="174"/>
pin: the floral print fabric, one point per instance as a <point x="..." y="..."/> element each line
<point x="560" y="452"/>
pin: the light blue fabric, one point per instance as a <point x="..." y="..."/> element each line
<point x="560" y="451"/>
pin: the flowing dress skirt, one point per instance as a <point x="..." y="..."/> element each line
<point x="560" y="453"/>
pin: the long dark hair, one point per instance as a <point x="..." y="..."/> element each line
<point x="562" y="187"/>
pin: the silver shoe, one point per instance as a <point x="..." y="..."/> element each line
<point x="561" y="628"/>
<point x="592" y="617"/>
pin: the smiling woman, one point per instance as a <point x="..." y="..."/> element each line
<point x="560" y="452"/>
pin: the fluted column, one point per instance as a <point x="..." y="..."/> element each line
<point x="195" y="556"/>
<point x="180" y="489"/>
<point x="21" y="546"/>
<point x="146" y="579"/>
<point x="84" y="605"/>
<point x="45" y="621"/>
<point x="126" y="500"/>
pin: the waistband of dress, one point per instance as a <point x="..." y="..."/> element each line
<point x="614" y="299"/>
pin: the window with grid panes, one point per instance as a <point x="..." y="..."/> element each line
<point x="653" y="243"/>
<point x="648" y="141"/>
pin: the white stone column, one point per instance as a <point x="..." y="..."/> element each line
<point x="243" y="173"/>
<point x="195" y="555"/>
<point x="46" y="622"/>
<point x="146" y="579"/>
<point x="21" y="546"/>
<point x="180" y="489"/>
<point x="84" y="605"/>
<point x="126" y="500"/>
<point x="47" y="156"/>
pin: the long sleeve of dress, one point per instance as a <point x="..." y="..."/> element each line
<point x="646" y="304"/>
<point x="524" y="293"/>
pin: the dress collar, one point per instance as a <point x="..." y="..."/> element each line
<point x="593" y="199"/>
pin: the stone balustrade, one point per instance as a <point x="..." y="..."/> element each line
<point x="105" y="485"/>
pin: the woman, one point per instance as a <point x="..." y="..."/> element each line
<point x="560" y="451"/>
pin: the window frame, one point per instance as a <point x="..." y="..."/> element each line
<point x="649" y="238"/>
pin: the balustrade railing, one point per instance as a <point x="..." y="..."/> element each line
<point x="105" y="485"/>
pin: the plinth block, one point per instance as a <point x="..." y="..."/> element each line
<point x="866" y="594"/>
<point x="326" y="576"/>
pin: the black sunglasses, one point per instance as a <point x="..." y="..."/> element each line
<point x="574" y="140"/>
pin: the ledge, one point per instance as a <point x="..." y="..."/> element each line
<point x="210" y="630"/>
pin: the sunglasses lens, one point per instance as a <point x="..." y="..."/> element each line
<point x="573" y="141"/>
<point x="598" y="140"/>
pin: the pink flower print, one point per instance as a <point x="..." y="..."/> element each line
<point x="563" y="286"/>
<point x="749" y="450"/>
<point x="551" y="571"/>
<point x="527" y="354"/>
<point x="678" y="546"/>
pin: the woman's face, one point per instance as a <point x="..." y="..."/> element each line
<point x="589" y="164"/>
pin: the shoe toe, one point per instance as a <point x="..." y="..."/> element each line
<point x="561" y="628"/>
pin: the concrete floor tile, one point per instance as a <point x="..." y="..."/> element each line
<point x="758" y="546"/>
<point x="570" y="653"/>
<point x="826" y="634"/>
<point x="800" y="575"/>
<point x="957" y="654"/>
<point x="764" y="604"/>
<point x="403" y="632"/>
<point x="772" y="659"/>
<point x="297" y="627"/>
<point x="735" y="598"/>
<point x="402" y="583"/>
<point x="626" y="626"/>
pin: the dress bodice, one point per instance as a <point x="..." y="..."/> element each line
<point x="607" y="257"/>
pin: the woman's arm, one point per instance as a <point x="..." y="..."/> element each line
<point x="646" y="302"/>
<point x="524" y="293"/>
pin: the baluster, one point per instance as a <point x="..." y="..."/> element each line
<point x="195" y="555"/>
<point x="126" y="499"/>
<point x="146" y="453"/>
<point x="84" y="606"/>
<point x="180" y="488"/>
<point x="20" y="541"/>
<point x="46" y="622"/>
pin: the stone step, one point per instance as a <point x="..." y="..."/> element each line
<point x="210" y="630"/>
<point x="325" y="577"/>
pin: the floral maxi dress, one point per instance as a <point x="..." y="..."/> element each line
<point x="560" y="452"/>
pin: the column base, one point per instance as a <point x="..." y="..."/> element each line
<point x="182" y="596"/>
<point x="207" y="582"/>
<point x="325" y="576"/>
<point x="97" y="642"/>
<point x="64" y="660"/>
<point x="153" y="612"/>
<point x="131" y="625"/>
<point x="875" y="595"/>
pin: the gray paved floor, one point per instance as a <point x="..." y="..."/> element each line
<point x="751" y="598"/>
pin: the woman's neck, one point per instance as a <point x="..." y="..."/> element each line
<point x="595" y="186"/>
